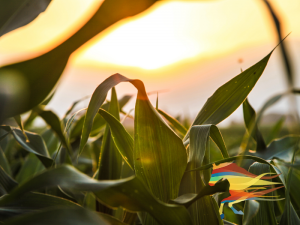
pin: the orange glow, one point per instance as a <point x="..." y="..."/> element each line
<point x="169" y="32"/>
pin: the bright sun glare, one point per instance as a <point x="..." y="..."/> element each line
<point x="169" y="32"/>
<point x="151" y="42"/>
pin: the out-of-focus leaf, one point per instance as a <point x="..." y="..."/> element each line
<point x="229" y="96"/>
<point x="160" y="157"/>
<point x="51" y="140"/>
<point x="124" y="100"/>
<point x="4" y="163"/>
<point x="228" y="223"/>
<point x="42" y="73"/>
<point x="59" y="216"/>
<point x="98" y="125"/>
<point x="275" y="130"/>
<point x="32" y="202"/>
<point x="250" y="211"/>
<point x="20" y="124"/>
<point x="99" y="122"/>
<point x="129" y="218"/>
<point x="231" y="159"/>
<point x="36" y="144"/>
<point x="281" y="148"/>
<point x="189" y="199"/>
<point x="6" y="181"/>
<point x="111" y="220"/>
<point x="121" y="138"/>
<point x="203" y="210"/>
<point x="284" y="53"/>
<point x="54" y="122"/>
<point x="251" y="125"/>
<point x="294" y="194"/>
<point x="129" y="193"/>
<point x="74" y="105"/>
<point x="265" y="214"/>
<point x="110" y="159"/>
<point x="291" y="184"/>
<point x="173" y="122"/>
<point x="30" y="167"/>
<point x="15" y="13"/>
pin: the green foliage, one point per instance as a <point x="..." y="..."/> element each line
<point x="87" y="168"/>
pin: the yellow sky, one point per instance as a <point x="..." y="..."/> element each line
<point x="188" y="48"/>
<point x="169" y="32"/>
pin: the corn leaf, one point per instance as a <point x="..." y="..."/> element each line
<point x="36" y="144"/>
<point x="251" y="125"/>
<point x="289" y="216"/>
<point x="121" y="138"/>
<point x="130" y="193"/>
<point x="282" y="148"/>
<point x="203" y="210"/>
<point x="31" y="202"/>
<point x="54" y="122"/>
<point x="110" y="162"/>
<point x="275" y="130"/>
<point x="30" y="167"/>
<point x="159" y="154"/>
<point x="189" y="199"/>
<point x="266" y="213"/>
<point x="59" y="216"/>
<point x="40" y="75"/>
<point x="6" y="181"/>
<point x="250" y="211"/>
<point x="229" y="96"/>
<point x="4" y="162"/>
<point x="175" y="123"/>
<point x="15" y="14"/>
<point x="230" y="159"/>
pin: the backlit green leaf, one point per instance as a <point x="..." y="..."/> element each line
<point x="173" y="122"/>
<point x="230" y="96"/>
<point x="122" y="139"/>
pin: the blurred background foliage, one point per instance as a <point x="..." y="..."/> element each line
<point x="105" y="165"/>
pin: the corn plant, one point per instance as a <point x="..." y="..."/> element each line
<point x="87" y="168"/>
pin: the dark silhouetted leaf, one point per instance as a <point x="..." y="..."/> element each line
<point x="129" y="193"/>
<point x="122" y="139"/>
<point x="15" y="13"/>
<point x="38" y="76"/>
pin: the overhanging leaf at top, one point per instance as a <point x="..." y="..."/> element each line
<point x="229" y="96"/>
<point x="16" y="13"/>
<point x="40" y="75"/>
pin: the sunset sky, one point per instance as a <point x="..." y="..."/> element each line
<point x="186" y="49"/>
